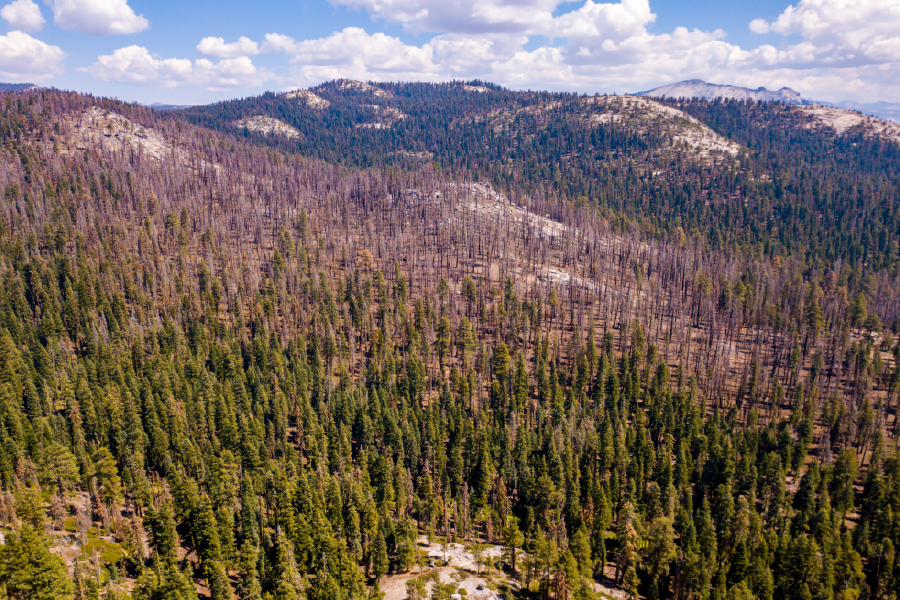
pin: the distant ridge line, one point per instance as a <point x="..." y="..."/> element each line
<point x="17" y="87"/>
<point x="697" y="88"/>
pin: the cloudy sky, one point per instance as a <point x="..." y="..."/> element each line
<point x="198" y="51"/>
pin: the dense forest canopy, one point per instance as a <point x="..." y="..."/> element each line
<point x="235" y="366"/>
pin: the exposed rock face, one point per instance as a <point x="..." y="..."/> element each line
<point x="844" y="121"/>
<point x="110" y="131"/>
<point x="696" y="88"/>
<point x="310" y="98"/>
<point x="267" y="126"/>
<point x="352" y="84"/>
<point x="385" y="117"/>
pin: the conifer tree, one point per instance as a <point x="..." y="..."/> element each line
<point x="29" y="570"/>
<point x="512" y="540"/>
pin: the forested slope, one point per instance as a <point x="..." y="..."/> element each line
<point x="234" y="371"/>
<point x="791" y="192"/>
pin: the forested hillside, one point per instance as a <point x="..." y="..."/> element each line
<point x="790" y="191"/>
<point x="233" y="367"/>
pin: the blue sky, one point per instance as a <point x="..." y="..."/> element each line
<point x="201" y="51"/>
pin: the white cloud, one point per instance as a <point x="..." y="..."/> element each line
<point x="23" y="58"/>
<point x="845" y="47"/>
<point x="841" y="46"/>
<point x="462" y="16"/>
<point x="760" y="26"/>
<point x="353" y="45"/>
<point x="23" y="15"/>
<point x="356" y="54"/>
<point x="599" y="22"/>
<point x="836" y="33"/>
<point x="135" y="64"/>
<point x="605" y="45"/>
<point x="597" y="46"/>
<point x="230" y="73"/>
<point x="97" y="17"/>
<point x="844" y="22"/>
<point x="216" y="46"/>
<point x="469" y="56"/>
<point x="276" y="42"/>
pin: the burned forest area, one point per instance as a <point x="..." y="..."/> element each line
<point x="409" y="341"/>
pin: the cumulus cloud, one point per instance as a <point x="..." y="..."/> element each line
<point x="836" y="33"/>
<point x="836" y="47"/>
<point x="470" y="56"/>
<point x="839" y="21"/>
<point x="462" y="16"/>
<point x="23" y="15"/>
<point x="377" y="51"/>
<point x="603" y="42"/>
<point x="275" y="42"/>
<point x="216" y="46"/>
<point x="230" y="73"/>
<point x="600" y="22"/>
<point x="356" y="54"/>
<point x="351" y="52"/>
<point x="97" y="17"/>
<point x="596" y="45"/>
<point x="135" y="64"/>
<point x="24" y="58"/>
<point x="844" y="46"/>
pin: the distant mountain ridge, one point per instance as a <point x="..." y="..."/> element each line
<point x="696" y="88"/>
<point x="17" y="87"/>
<point x="885" y="110"/>
<point x="161" y="106"/>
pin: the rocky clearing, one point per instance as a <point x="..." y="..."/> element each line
<point x="96" y="127"/>
<point x="312" y="100"/>
<point x="843" y="121"/>
<point x="352" y="84"/>
<point x="267" y="126"/>
<point x="385" y="117"/>
<point x="460" y="569"/>
<point x="456" y="565"/>
<point x="688" y="130"/>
